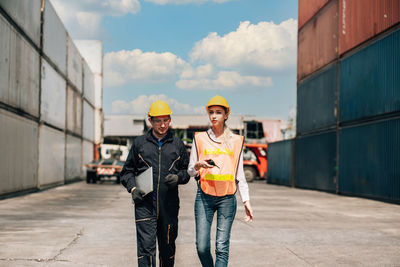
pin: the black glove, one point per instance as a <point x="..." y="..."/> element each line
<point x="137" y="195"/>
<point x="171" y="180"/>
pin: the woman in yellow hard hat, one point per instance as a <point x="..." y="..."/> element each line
<point x="216" y="161"/>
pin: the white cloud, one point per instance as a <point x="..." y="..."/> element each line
<point x="82" y="18"/>
<point x="141" y="105"/>
<point x="183" y="2"/>
<point x="205" y="77"/>
<point x="124" y="67"/>
<point x="263" y="45"/>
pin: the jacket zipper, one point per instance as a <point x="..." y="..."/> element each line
<point x="140" y="156"/>
<point x="169" y="228"/>
<point x="174" y="163"/>
<point x="159" y="176"/>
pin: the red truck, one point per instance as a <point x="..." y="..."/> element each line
<point x="255" y="161"/>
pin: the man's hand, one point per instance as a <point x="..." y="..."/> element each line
<point x="137" y="195"/>
<point x="171" y="180"/>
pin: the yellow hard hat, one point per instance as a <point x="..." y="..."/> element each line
<point x="159" y="108"/>
<point x="218" y="101"/>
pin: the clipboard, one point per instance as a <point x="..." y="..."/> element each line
<point x="144" y="181"/>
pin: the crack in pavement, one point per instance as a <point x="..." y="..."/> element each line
<point x="298" y="256"/>
<point x="78" y="235"/>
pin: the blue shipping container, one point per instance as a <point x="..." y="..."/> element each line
<point x="370" y="80"/>
<point x="316" y="101"/>
<point x="316" y="166"/>
<point x="369" y="160"/>
<point x="280" y="160"/>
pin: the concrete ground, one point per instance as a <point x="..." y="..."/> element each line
<point x="92" y="225"/>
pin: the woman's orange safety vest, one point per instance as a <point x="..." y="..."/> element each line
<point x="218" y="181"/>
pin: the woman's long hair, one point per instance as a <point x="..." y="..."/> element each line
<point x="226" y="136"/>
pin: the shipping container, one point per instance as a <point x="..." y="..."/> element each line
<point x="98" y="90"/>
<point x="280" y="162"/>
<point x="74" y="111"/>
<point x="87" y="155"/>
<point x="318" y="41"/>
<point x="308" y="8"/>
<point x="51" y="156"/>
<point x="360" y="24"/>
<point x="88" y="84"/>
<point x="92" y="52"/>
<point x="53" y="98"/>
<point x="73" y="157"/>
<point x="26" y="14"/>
<point x="88" y="122"/>
<point x="19" y="149"/>
<point x="98" y="126"/>
<point x="316" y="166"/>
<point x="74" y="65"/>
<point x="54" y="38"/>
<point x="19" y="71"/>
<point x="370" y="80"/>
<point x="316" y="101"/>
<point x="369" y="160"/>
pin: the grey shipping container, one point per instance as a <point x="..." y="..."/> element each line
<point x="370" y="80"/>
<point x="369" y="160"/>
<point x="316" y="161"/>
<point x="316" y="101"/>
<point x="26" y="14"/>
<point x="280" y="162"/>
<point x="19" y="153"/>
<point x="19" y="71"/>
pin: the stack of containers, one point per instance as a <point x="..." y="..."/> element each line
<point x="41" y="99"/>
<point x="369" y="78"/>
<point x="317" y="69"/>
<point x="348" y="98"/>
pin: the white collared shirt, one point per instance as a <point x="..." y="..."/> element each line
<point x="242" y="184"/>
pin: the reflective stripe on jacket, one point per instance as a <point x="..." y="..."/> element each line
<point x="218" y="181"/>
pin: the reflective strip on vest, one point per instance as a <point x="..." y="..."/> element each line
<point x="217" y="151"/>
<point x="218" y="177"/>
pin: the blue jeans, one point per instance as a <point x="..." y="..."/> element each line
<point x="204" y="208"/>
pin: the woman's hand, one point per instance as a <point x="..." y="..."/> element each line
<point x="202" y="164"/>
<point x="249" y="211"/>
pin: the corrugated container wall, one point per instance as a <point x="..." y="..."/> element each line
<point x="318" y="41"/>
<point x="73" y="157"/>
<point x="88" y="84"/>
<point x="369" y="160"/>
<point x="360" y="24"/>
<point x="88" y="122"/>
<point x="26" y="14"/>
<point x="316" y="161"/>
<point x="87" y="154"/>
<point x="53" y="96"/>
<point x="19" y="71"/>
<point x="19" y="149"/>
<point x="280" y="162"/>
<point x="370" y="80"/>
<point x="74" y="65"/>
<point x="316" y="101"/>
<point x="54" y="38"/>
<point x="307" y="9"/>
<point x="98" y="126"/>
<point x="51" y="156"/>
<point x="74" y="111"/>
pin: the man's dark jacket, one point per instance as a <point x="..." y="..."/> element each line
<point x="170" y="157"/>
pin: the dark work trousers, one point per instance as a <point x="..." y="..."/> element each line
<point x="148" y="229"/>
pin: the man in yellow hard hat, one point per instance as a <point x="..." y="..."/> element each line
<point x="156" y="213"/>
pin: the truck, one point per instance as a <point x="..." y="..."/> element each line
<point x="109" y="166"/>
<point x="255" y="161"/>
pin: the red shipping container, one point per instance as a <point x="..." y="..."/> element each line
<point x="318" y="41"/>
<point x="308" y="8"/>
<point x="361" y="20"/>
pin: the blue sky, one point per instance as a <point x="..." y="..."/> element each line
<point x="186" y="51"/>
